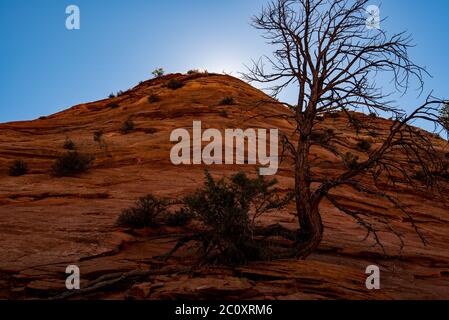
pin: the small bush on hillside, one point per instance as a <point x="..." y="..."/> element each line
<point x="111" y="96"/>
<point x="227" y="101"/>
<point x="127" y="126"/>
<point x="98" y="136"/>
<point x="175" y="84"/>
<point x="351" y="161"/>
<point x="71" y="164"/>
<point x="69" y="144"/>
<point x="18" y="168"/>
<point x="154" y="98"/>
<point x="364" y="145"/>
<point x="113" y="105"/>
<point x="145" y="213"/>
<point x="373" y="115"/>
<point x="193" y="71"/>
<point x="157" y="73"/>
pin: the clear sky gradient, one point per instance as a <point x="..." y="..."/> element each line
<point x="45" y="68"/>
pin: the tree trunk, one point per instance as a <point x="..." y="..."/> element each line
<point x="310" y="231"/>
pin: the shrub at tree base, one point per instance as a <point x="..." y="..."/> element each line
<point x="228" y="210"/>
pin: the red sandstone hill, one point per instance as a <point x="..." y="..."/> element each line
<point x="47" y="223"/>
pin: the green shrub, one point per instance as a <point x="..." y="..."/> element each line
<point x="227" y="209"/>
<point x="69" y="144"/>
<point x="113" y="105"/>
<point x="98" y="136"/>
<point x="154" y="98"/>
<point x="356" y="124"/>
<point x="18" y="168"/>
<point x="175" y="84"/>
<point x="351" y="161"/>
<point x="157" y="73"/>
<point x="178" y="219"/>
<point x="193" y="71"/>
<point x="111" y="96"/>
<point x="227" y="101"/>
<point x="127" y="126"/>
<point x="71" y="164"/>
<point x="364" y="145"/>
<point x="145" y="213"/>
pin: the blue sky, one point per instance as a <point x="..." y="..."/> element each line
<point x="45" y="68"/>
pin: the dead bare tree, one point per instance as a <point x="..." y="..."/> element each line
<point x="325" y="50"/>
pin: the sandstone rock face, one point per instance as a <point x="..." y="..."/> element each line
<point x="48" y="223"/>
